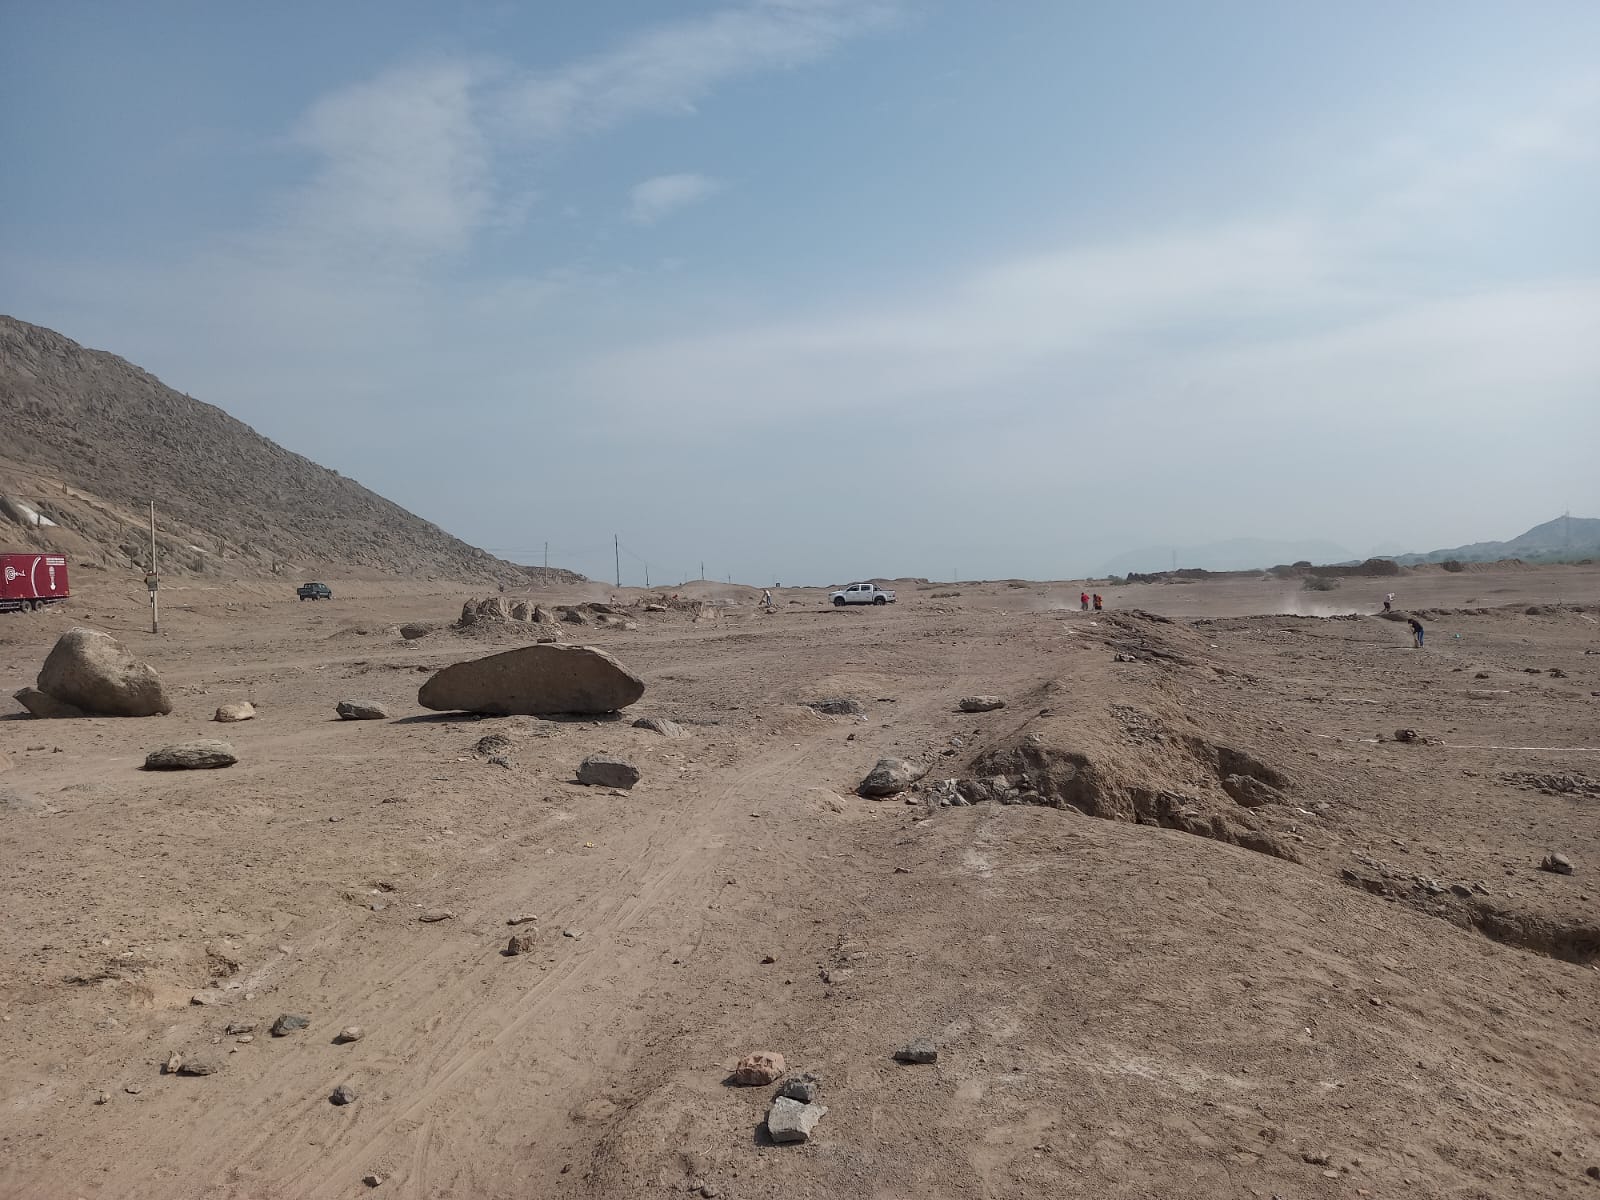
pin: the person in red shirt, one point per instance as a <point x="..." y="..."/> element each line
<point x="1097" y="602"/>
<point x="1083" y="600"/>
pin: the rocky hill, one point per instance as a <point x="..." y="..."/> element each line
<point x="90" y="439"/>
<point x="1564" y="539"/>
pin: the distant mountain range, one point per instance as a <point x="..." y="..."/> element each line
<point x="1236" y="554"/>
<point x="1564" y="539"/>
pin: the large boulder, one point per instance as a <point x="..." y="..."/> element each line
<point x="46" y="707"/>
<point x="93" y="671"/>
<point x="538" y="680"/>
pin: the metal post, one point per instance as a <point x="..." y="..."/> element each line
<point x="155" y="575"/>
<point x="617" y="547"/>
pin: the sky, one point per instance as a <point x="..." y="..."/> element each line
<point x="810" y="290"/>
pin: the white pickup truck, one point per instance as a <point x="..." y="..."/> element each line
<point x="863" y="593"/>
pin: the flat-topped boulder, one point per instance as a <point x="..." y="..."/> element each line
<point x="539" y="680"/>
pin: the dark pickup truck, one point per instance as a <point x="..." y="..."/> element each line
<point x="314" y="591"/>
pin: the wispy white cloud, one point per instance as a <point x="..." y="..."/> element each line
<point x="659" y="195"/>
<point x="403" y="166"/>
<point x="672" y="67"/>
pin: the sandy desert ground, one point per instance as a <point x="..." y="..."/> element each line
<point x="1365" y="987"/>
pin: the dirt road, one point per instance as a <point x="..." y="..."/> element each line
<point x="1362" y="985"/>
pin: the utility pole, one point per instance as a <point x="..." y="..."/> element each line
<point x="547" y="562"/>
<point x="616" y="543"/>
<point x="702" y="570"/>
<point x="155" y="575"/>
<point x="647" y="575"/>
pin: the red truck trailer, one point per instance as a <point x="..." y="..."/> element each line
<point x="30" y="581"/>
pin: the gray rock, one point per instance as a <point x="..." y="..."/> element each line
<point x="837" y="706"/>
<point x="202" y="754"/>
<point x="288" y="1023"/>
<point x="235" y="1028"/>
<point x="238" y="710"/>
<point x="978" y="704"/>
<point x="574" y="616"/>
<point x="350" y="1033"/>
<point x="198" y="1066"/>
<point x="93" y="671"/>
<point x="361" y="710"/>
<point x="800" y="1088"/>
<point x="1558" y="864"/>
<point x="891" y="777"/>
<point x="343" y="1094"/>
<point x="606" y="770"/>
<point x="790" y="1121"/>
<point x="46" y="708"/>
<point x="413" y="630"/>
<point x="920" y="1051"/>
<point x="662" y="726"/>
<point x="537" y="680"/>
<point x="522" y="611"/>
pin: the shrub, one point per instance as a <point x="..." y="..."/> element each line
<point x="1319" y="583"/>
<point x="1453" y="565"/>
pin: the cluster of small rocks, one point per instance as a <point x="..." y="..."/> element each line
<point x="998" y="789"/>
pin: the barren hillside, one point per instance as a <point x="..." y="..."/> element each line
<point x="90" y="439"/>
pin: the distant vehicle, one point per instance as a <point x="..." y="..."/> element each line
<point x="30" y="581"/>
<point x="862" y="593"/>
<point x="314" y="591"/>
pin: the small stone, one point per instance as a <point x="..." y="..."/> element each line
<point x="238" y="1027"/>
<point x="246" y="1039"/>
<point x="350" y="1033"/>
<point x="789" y="1121"/>
<point x="372" y="1180"/>
<point x="709" y="1191"/>
<point x="343" y="1094"/>
<point x="666" y="728"/>
<point x="920" y="1051"/>
<point x="607" y="770"/>
<point x="173" y="1064"/>
<point x="521" y="943"/>
<point x="239" y="710"/>
<point x="202" y="754"/>
<point x="198" y="1066"/>
<point x="1593" y="1172"/>
<point x="522" y="919"/>
<point x="361" y="710"/>
<point x="1316" y="1158"/>
<point x="574" y="934"/>
<point x="836" y="706"/>
<point x="434" y="917"/>
<point x="1557" y="864"/>
<point x="102" y="1097"/>
<point x="980" y="704"/>
<point x="204" y="999"/>
<point x="802" y="1088"/>
<point x="133" y="1089"/>
<point x="758" y="1069"/>
<point x="767" y="960"/>
<point x="288" y="1023"/>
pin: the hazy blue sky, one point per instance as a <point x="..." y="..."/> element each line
<point x="810" y="289"/>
